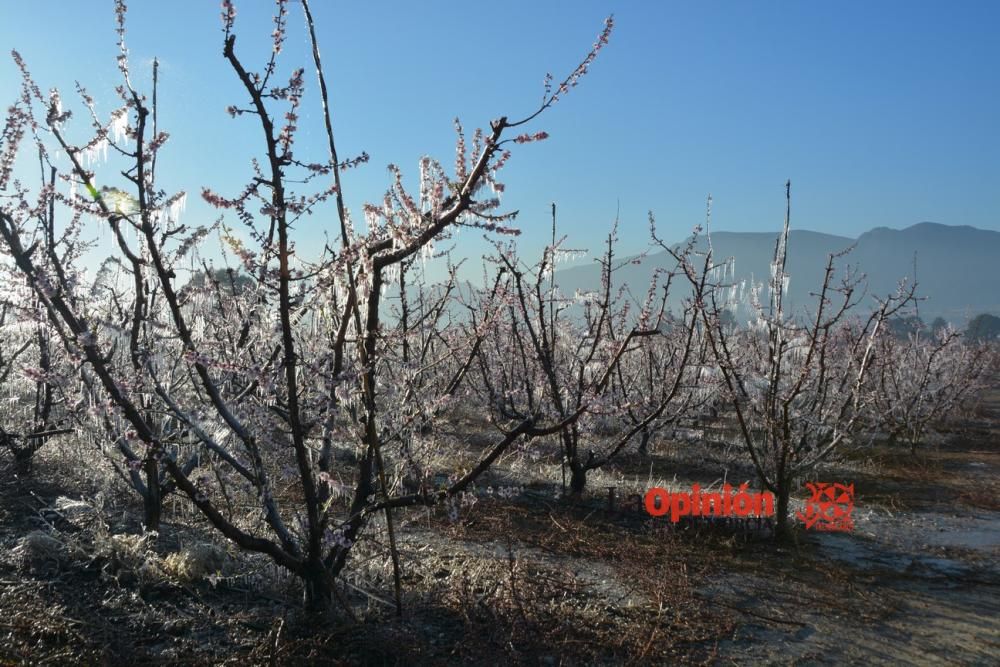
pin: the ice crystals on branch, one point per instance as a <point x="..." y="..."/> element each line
<point x="461" y="167"/>
<point x="56" y="116"/>
<point x="292" y="93"/>
<point x="13" y="131"/>
<point x="336" y="537"/>
<point x="528" y="138"/>
<point x="573" y="79"/>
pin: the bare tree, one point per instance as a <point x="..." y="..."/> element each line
<point x="922" y="379"/>
<point x="263" y="386"/>
<point x="796" y="382"/>
<point x="30" y="367"/>
<point x="607" y="372"/>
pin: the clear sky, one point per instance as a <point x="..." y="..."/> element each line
<point x="882" y="113"/>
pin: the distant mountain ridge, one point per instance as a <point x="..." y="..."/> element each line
<point x="957" y="267"/>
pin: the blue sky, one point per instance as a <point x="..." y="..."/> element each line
<point x="881" y="113"/>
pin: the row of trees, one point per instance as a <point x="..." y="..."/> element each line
<point x="331" y="375"/>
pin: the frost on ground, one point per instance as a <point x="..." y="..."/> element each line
<point x="532" y="578"/>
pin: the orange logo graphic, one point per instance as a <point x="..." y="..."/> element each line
<point x="830" y="507"/>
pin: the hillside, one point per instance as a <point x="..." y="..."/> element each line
<point x="954" y="265"/>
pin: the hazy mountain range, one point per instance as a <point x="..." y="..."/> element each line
<point x="957" y="267"/>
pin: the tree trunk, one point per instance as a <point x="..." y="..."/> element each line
<point x="22" y="459"/>
<point x="578" y="480"/>
<point x="782" y="527"/>
<point x="22" y="463"/>
<point x="644" y="437"/>
<point x="317" y="594"/>
<point x="152" y="500"/>
<point x="325" y="455"/>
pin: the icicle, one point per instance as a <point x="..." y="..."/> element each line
<point x="178" y="207"/>
<point x="119" y="125"/>
<point x="371" y="218"/>
<point x="96" y="153"/>
<point x="426" y="252"/>
<point x="390" y="277"/>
